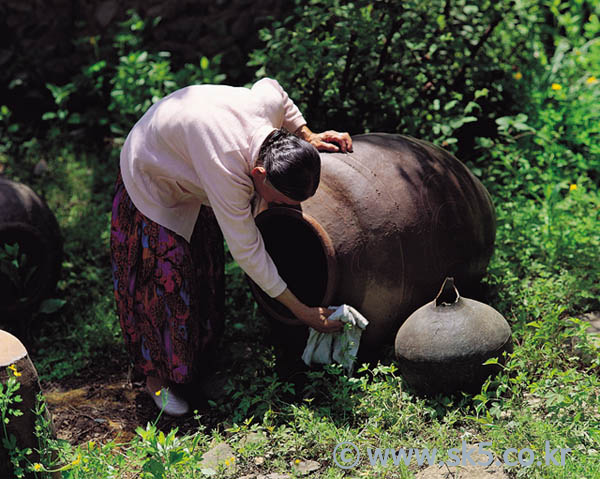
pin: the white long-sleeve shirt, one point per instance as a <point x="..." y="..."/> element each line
<point x="198" y="146"/>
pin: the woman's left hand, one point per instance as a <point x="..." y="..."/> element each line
<point x="329" y="140"/>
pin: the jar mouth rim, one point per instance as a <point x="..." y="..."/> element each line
<point x="270" y="215"/>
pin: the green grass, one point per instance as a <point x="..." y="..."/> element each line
<point x="77" y="187"/>
<point x="543" y="275"/>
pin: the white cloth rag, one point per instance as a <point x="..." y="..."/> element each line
<point x="340" y="347"/>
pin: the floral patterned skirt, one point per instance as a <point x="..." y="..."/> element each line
<point x="169" y="293"/>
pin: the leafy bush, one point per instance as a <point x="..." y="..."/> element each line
<point x="111" y="94"/>
<point x="421" y="68"/>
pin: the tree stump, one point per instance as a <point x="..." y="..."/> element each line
<point x="15" y="362"/>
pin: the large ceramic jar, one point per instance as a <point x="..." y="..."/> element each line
<point x="387" y="224"/>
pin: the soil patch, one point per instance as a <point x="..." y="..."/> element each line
<point x="102" y="407"/>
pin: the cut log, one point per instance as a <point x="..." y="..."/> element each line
<point x="15" y="362"/>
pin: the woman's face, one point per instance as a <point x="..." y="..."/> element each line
<point x="267" y="191"/>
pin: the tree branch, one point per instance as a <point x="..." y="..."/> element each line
<point x="474" y="50"/>
<point x="346" y="73"/>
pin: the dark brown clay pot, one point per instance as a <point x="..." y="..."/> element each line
<point x="442" y="346"/>
<point x="26" y="219"/>
<point x="387" y="224"/>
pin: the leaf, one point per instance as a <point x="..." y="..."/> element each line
<point x="142" y="57"/>
<point x="49" y="115"/>
<point x="176" y="457"/>
<point x="154" y="467"/>
<point x="450" y="105"/>
<point x="482" y="92"/>
<point x="52" y="305"/>
<point x="441" y="21"/>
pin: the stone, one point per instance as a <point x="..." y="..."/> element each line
<point x="272" y="475"/>
<point x="305" y="467"/>
<point x="492" y="471"/>
<point x="253" y="439"/>
<point x="593" y="320"/>
<point x="40" y="168"/>
<point x="106" y="11"/>
<point x="221" y="455"/>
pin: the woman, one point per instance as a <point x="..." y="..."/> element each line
<point x="219" y="146"/>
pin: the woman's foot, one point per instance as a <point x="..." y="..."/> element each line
<point x="160" y="392"/>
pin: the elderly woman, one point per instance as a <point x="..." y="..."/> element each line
<point x="225" y="147"/>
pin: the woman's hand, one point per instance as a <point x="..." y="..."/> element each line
<point x="316" y="318"/>
<point x="329" y="140"/>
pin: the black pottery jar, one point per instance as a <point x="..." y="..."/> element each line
<point x="389" y="221"/>
<point x="26" y="220"/>
<point x="442" y="346"/>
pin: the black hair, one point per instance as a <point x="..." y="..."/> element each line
<point x="293" y="165"/>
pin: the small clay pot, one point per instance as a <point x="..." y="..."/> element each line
<point x="442" y="346"/>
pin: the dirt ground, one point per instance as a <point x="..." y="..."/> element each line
<point x="108" y="400"/>
<point x="102" y="405"/>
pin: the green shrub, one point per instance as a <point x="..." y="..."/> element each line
<point x="108" y="96"/>
<point x="421" y="68"/>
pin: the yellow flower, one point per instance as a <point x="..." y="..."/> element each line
<point x="157" y="393"/>
<point x="232" y="459"/>
<point x="37" y="467"/>
<point x="572" y="187"/>
<point x="556" y="86"/>
<point x="91" y="444"/>
<point x="518" y="76"/>
<point x="591" y="80"/>
<point x="77" y="460"/>
<point x="13" y="368"/>
<point x="297" y="461"/>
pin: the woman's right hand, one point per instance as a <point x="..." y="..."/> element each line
<point x="316" y="318"/>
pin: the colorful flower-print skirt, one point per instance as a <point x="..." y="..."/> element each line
<point x="169" y="293"/>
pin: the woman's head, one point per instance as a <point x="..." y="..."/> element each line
<point x="291" y="166"/>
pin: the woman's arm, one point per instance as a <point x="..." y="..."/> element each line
<point x="316" y="318"/>
<point x="329" y="140"/>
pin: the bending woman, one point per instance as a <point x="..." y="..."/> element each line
<point x="206" y="145"/>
